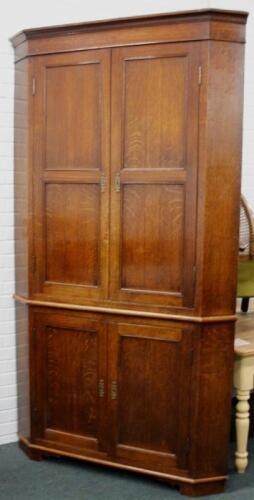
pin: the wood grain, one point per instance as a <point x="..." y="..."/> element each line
<point x="69" y="361"/>
<point x="144" y="430"/>
<point x="73" y="111"/>
<point x="152" y="247"/>
<point x="71" y="154"/>
<point x="73" y="233"/>
<point x="206" y="24"/>
<point x="127" y="206"/>
<point x="155" y="94"/>
<point x="155" y="101"/>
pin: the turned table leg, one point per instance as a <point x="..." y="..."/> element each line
<point x="242" y="429"/>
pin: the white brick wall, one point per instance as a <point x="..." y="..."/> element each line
<point x="8" y="404"/>
<point x="14" y="17"/>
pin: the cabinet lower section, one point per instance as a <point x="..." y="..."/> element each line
<point x="133" y="393"/>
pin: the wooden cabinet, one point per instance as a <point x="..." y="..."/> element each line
<point x="127" y="161"/>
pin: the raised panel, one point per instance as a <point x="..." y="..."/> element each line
<point x="71" y="131"/>
<point x="154" y="162"/>
<point x="148" y="373"/>
<point x="72" y="380"/>
<point x="151" y="367"/>
<point x="69" y="360"/>
<point x="152" y="237"/>
<point x="155" y="107"/>
<point x="73" y="121"/>
<point x="72" y="233"/>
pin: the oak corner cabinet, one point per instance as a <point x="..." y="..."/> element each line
<point x="127" y="186"/>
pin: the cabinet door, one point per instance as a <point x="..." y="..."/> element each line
<point x="155" y="103"/>
<point x="70" y="174"/>
<point x="68" y="375"/>
<point x="149" y="393"/>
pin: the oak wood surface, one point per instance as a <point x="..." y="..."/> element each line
<point x="69" y="360"/>
<point x="152" y="213"/>
<point x="207" y="24"/>
<point x="142" y="430"/>
<point x="70" y="208"/>
<point x="128" y="156"/>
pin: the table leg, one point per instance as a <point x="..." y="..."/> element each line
<point x="242" y="430"/>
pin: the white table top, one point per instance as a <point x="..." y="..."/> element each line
<point x="244" y="338"/>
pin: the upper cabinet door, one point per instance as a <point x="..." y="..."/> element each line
<point x="70" y="174"/>
<point x="155" y="104"/>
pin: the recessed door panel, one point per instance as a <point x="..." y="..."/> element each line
<point x="152" y="237"/>
<point x="72" y="380"/>
<point x="155" y="112"/>
<point x="150" y="379"/>
<point x="69" y="369"/>
<point x="73" y="116"/>
<point x="155" y="102"/>
<point x="73" y="233"/>
<point x="71" y="110"/>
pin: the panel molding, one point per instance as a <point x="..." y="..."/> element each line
<point x="127" y="312"/>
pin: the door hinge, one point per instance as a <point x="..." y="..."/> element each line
<point x="117" y="183"/>
<point x="33" y="86"/>
<point x="114" y="390"/>
<point x="103" y="183"/>
<point x="101" y="388"/>
<point x="33" y="264"/>
<point x="199" y="75"/>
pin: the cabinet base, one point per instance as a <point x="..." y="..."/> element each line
<point x="187" y="486"/>
<point x="32" y="453"/>
<point x="200" y="489"/>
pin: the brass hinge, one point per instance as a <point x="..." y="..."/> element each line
<point x="103" y="183"/>
<point x="101" y="388"/>
<point x="199" y="75"/>
<point x="114" y="390"/>
<point x="33" y="264"/>
<point x="33" y="86"/>
<point x="117" y="183"/>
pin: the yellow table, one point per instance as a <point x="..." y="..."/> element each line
<point x="243" y="383"/>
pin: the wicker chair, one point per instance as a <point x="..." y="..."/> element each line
<point x="246" y="255"/>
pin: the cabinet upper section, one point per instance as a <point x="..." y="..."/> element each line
<point x="128" y="160"/>
<point x="207" y="24"/>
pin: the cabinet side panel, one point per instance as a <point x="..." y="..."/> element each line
<point x="22" y="350"/>
<point x="21" y="176"/>
<point x="213" y="409"/>
<point x="220" y="171"/>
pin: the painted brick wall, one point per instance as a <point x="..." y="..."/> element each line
<point x="16" y="16"/>
<point x="7" y="331"/>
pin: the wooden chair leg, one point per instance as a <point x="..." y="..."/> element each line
<point x="245" y="304"/>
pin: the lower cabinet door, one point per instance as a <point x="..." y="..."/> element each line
<point x="68" y="372"/>
<point x="149" y="391"/>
